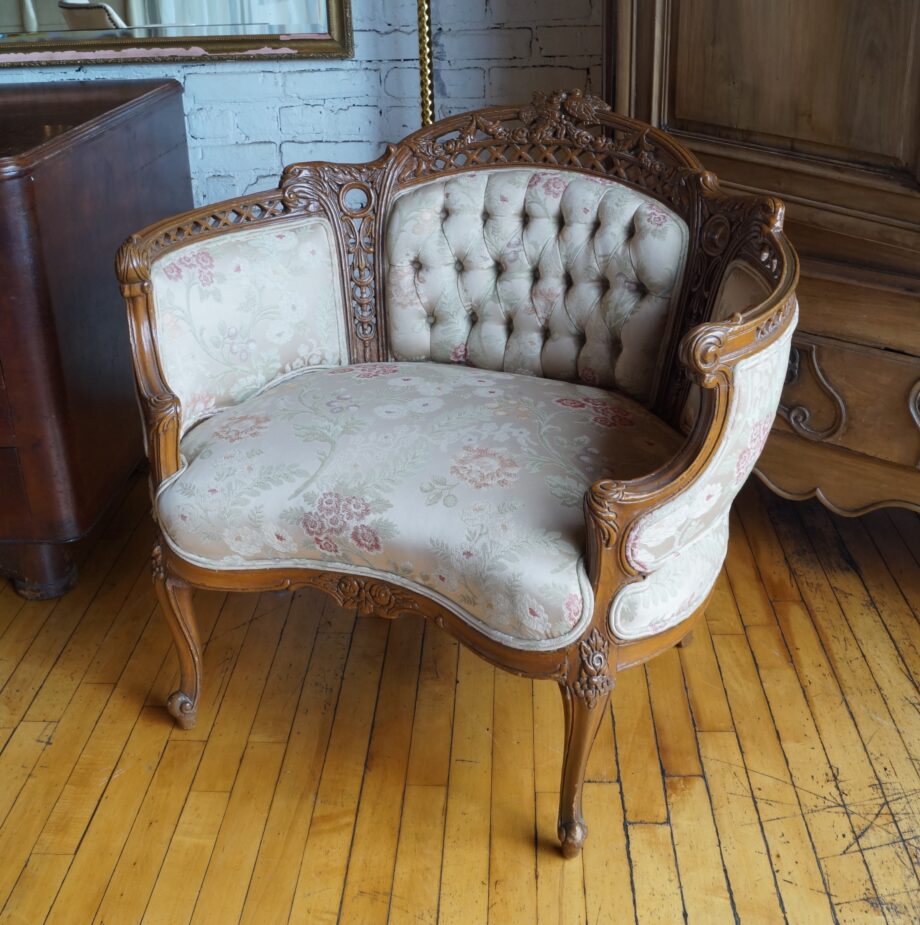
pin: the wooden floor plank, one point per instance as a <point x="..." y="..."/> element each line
<point x="223" y="890"/>
<point x="318" y="895"/>
<point x="179" y="879"/>
<point x="372" y="857"/>
<point x="560" y="882"/>
<point x="279" y="701"/>
<point x="722" y="612"/>
<point x="896" y="556"/>
<point x="133" y="879"/>
<point x="699" y="859"/>
<point x="416" y="880"/>
<point x="773" y="569"/>
<point x="800" y="879"/>
<point x="17" y="759"/>
<point x="608" y="880"/>
<point x="658" y="896"/>
<point x="704" y="682"/>
<point x="36" y="800"/>
<point x="878" y="835"/>
<point x="465" y="867"/>
<point x="98" y="853"/>
<point x="677" y="747"/>
<point x="36" y="889"/>
<point x="819" y="795"/>
<point x="85" y="786"/>
<point x="271" y="891"/>
<point x="227" y="739"/>
<point x="637" y="749"/>
<point x="512" y="867"/>
<point x="750" y="595"/>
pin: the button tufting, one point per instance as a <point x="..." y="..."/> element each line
<point x="458" y="265"/>
<point x="429" y="320"/>
<point x="474" y="317"/>
<point x="567" y="279"/>
<point x="416" y="264"/>
<point x="485" y="215"/>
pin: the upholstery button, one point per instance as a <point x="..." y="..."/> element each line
<point x="416" y="264"/>
<point x="536" y="274"/>
<point x="444" y="214"/>
<point x="474" y="317"/>
<point x="485" y="216"/>
<point x="567" y="279"/>
<point x="458" y="265"/>
<point x="429" y="320"/>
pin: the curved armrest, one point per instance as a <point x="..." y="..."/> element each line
<point x="666" y="532"/>
<point x="219" y="308"/>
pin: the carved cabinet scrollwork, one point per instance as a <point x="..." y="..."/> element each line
<point x="844" y="156"/>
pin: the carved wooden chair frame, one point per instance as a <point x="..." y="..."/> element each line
<point x="565" y="131"/>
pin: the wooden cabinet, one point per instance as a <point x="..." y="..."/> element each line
<point x="82" y="165"/>
<point x="819" y="103"/>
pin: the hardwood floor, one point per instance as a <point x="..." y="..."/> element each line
<point x="366" y="772"/>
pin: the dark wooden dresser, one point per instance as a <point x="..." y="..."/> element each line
<point x="82" y="165"/>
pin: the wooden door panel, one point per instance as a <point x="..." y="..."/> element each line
<point x="827" y="77"/>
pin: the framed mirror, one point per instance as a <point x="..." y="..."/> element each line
<point x="43" y="32"/>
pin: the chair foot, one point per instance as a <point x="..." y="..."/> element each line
<point x="572" y="835"/>
<point x="175" y="599"/>
<point x="584" y="709"/>
<point x="686" y="641"/>
<point x="182" y="709"/>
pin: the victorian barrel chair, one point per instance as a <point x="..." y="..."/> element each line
<point x="508" y="376"/>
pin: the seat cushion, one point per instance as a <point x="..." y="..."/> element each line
<point x="462" y="484"/>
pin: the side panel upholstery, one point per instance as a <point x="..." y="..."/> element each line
<point x="235" y="311"/>
<point x="680" y="546"/>
<point x="545" y="272"/>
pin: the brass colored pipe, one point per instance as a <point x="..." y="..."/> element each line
<point x="425" y="61"/>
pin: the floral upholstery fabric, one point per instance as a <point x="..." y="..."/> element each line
<point x="234" y="311"/>
<point x="681" y="545"/>
<point x="546" y="272"/>
<point x="465" y="485"/>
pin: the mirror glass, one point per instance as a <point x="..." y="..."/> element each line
<point x="72" y="31"/>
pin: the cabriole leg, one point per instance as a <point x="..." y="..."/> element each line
<point x="585" y="703"/>
<point x="175" y="599"/>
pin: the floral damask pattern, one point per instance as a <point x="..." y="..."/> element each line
<point x="680" y="546"/>
<point x="544" y="272"/>
<point x="463" y="484"/>
<point x="234" y="311"/>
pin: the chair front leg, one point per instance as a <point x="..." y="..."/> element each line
<point x="585" y="695"/>
<point x="175" y="599"/>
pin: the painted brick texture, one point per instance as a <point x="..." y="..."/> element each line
<point x="246" y="119"/>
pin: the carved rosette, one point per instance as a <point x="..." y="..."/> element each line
<point x="594" y="681"/>
<point x="368" y="595"/>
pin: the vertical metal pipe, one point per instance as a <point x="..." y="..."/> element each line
<point x="425" y="61"/>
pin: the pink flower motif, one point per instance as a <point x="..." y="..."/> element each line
<point x="329" y="502"/>
<point x="748" y="456"/>
<point x="204" y="259"/>
<point x="366" y="538"/>
<point x="354" y="508"/>
<point x="336" y="523"/>
<point x="573" y="607"/>
<point x="553" y="185"/>
<point x="326" y="544"/>
<point x="459" y="354"/>
<point x="237" y="269"/>
<point x="484" y="468"/>
<point x="468" y="554"/>
<point x="241" y="426"/>
<point x="342" y="369"/>
<point x="205" y="278"/>
<point x="613" y="416"/>
<point x="173" y="271"/>
<point x="588" y="375"/>
<point x="312" y="524"/>
<point x="571" y="403"/>
<point x="373" y="370"/>
<point x="655" y="215"/>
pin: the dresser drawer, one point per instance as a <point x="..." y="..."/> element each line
<point x="849" y="395"/>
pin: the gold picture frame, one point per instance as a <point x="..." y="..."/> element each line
<point x="109" y="47"/>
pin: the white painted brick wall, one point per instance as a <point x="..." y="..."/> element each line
<point x="246" y="119"/>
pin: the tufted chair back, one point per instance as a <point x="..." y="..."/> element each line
<point x="552" y="273"/>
